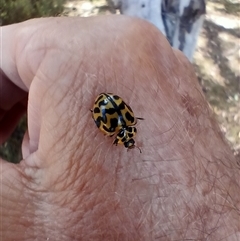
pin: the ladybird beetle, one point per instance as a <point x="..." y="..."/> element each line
<point x="114" y="117"/>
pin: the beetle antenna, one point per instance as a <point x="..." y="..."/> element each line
<point x="131" y="147"/>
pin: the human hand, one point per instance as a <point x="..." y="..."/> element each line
<point x="72" y="183"/>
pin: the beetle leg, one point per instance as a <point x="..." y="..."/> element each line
<point x="115" y="142"/>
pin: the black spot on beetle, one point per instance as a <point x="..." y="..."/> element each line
<point x="123" y="139"/>
<point x="121" y="134"/>
<point x="129" y="117"/>
<point x="116" y="97"/>
<point x="130" y="135"/>
<point x="98" y="121"/>
<point x="113" y="123"/>
<point x="96" y="110"/>
<point x="130" y="129"/>
<point x="110" y="111"/>
<point x="102" y="103"/>
<point x="121" y="106"/>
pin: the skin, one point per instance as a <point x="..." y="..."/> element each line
<point x="72" y="183"/>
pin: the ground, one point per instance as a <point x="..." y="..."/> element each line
<point x="216" y="61"/>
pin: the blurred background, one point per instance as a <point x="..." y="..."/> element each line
<point x="216" y="58"/>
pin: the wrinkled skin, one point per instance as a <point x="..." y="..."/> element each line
<point x="72" y="183"/>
